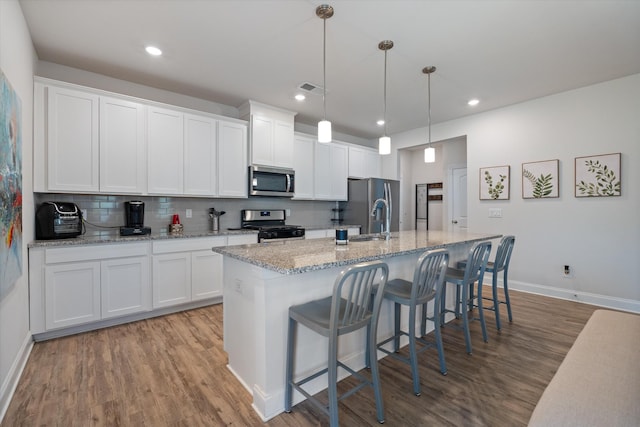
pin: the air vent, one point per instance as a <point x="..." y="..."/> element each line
<point x="311" y="88"/>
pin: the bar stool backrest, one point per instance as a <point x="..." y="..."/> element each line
<point x="352" y="293"/>
<point x="429" y="274"/>
<point x="503" y="255"/>
<point x="477" y="262"/>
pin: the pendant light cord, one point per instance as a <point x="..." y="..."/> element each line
<point x="324" y="68"/>
<point x="385" y="93"/>
<point x="429" y="105"/>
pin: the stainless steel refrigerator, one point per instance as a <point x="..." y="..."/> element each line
<point x="362" y="194"/>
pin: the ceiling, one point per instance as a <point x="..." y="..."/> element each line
<point x="228" y="51"/>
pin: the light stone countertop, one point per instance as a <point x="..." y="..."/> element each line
<point x="301" y="256"/>
<point x="114" y="237"/>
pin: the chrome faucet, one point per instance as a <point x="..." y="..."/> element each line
<point x="386" y="201"/>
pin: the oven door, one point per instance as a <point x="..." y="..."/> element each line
<point x="268" y="181"/>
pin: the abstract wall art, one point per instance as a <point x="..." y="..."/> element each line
<point x="10" y="185"/>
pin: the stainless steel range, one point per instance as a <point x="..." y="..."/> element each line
<point x="270" y="225"/>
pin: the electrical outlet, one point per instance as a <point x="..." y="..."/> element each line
<point x="567" y="271"/>
<point x="495" y="213"/>
<point x="288" y="212"/>
<point x="189" y="213"/>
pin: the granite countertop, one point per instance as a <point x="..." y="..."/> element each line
<point x="301" y="256"/>
<point x="114" y="237"/>
<point x="330" y="226"/>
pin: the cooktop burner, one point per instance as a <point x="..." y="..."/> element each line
<point x="270" y="224"/>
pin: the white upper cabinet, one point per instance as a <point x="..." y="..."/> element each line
<point x="200" y="155"/>
<point x="90" y="141"/>
<point x="330" y="171"/>
<point x="232" y="160"/>
<point x="122" y="146"/>
<point x="72" y="140"/>
<point x="303" y="165"/>
<point x="363" y="163"/>
<point x="271" y="134"/>
<point x="165" y="141"/>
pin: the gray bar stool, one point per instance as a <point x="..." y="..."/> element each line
<point x="464" y="279"/>
<point x="346" y="311"/>
<point x="501" y="263"/>
<point x="428" y="280"/>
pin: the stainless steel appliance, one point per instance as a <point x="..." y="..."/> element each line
<point x="270" y="225"/>
<point x="134" y="219"/>
<point x="58" y="220"/>
<point x="362" y="195"/>
<point x="269" y="181"/>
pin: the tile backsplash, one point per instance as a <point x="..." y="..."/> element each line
<point x="105" y="213"/>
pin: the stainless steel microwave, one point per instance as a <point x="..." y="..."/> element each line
<point x="270" y="181"/>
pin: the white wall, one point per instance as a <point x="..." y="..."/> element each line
<point x="17" y="61"/>
<point x="598" y="237"/>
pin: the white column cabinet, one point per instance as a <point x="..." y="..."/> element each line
<point x="165" y="141"/>
<point x="232" y="160"/>
<point x="72" y="140"/>
<point x="363" y="163"/>
<point x="200" y="155"/>
<point x="123" y="155"/>
<point x="330" y="172"/>
<point x="303" y="165"/>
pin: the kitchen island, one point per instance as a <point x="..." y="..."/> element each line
<point x="261" y="282"/>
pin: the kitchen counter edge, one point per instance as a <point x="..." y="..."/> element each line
<point x="94" y="240"/>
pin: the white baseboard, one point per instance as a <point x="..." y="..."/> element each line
<point x="13" y="377"/>
<point x="622" y="304"/>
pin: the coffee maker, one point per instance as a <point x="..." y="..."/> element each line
<point x="134" y="219"/>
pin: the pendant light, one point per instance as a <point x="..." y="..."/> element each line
<point x="384" y="143"/>
<point x="324" y="126"/>
<point x="429" y="152"/>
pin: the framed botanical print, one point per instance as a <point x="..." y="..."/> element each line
<point x="540" y="179"/>
<point x="494" y="183"/>
<point x="598" y="176"/>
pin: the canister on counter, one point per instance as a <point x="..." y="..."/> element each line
<point x="342" y="236"/>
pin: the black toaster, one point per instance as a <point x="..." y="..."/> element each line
<point x="58" y="220"/>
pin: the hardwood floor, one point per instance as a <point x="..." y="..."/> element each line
<point x="170" y="371"/>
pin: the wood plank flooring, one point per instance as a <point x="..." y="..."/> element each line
<point x="170" y="371"/>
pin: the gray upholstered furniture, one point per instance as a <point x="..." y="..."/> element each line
<point x="598" y="382"/>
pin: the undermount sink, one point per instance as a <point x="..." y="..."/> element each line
<point x="366" y="238"/>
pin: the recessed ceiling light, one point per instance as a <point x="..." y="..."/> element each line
<point x="300" y="97"/>
<point x="380" y="122"/>
<point x="473" y="102"/>
<point x="152" y="50"/>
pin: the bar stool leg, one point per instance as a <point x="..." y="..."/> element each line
<point x="289" y="367"/>
<point x="506" y="294"/>
<point x="412" y="350"/>
<point x="333" y="381"/>
<point x="496" y="302"/>
<point x="396" y="323"/>
<point x="375" y="378"/>
<point x="465" y="317"/>
<point x="481" y="311"/>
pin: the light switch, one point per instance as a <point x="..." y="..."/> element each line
<point x="495" y="213"/>
<point x="189" y="213"/>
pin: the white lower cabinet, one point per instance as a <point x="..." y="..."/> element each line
<point x="125" y="286"/>
<point x="76" y="285"/>
<point x="72" y="294"/>
<point x="79" y="287"/>
<point x="187" y="270"/>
